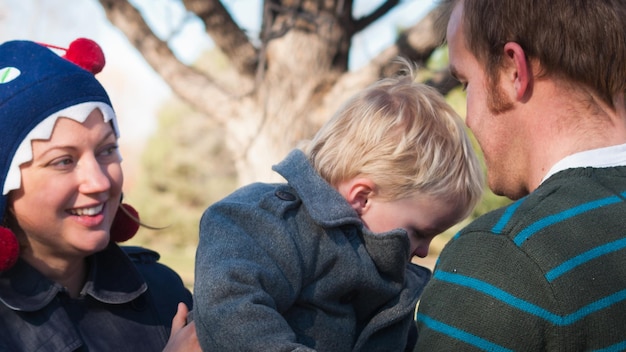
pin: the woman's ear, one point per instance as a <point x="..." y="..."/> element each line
<point x="357" y="192"/>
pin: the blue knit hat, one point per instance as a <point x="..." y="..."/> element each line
<point x="37" y="86"/>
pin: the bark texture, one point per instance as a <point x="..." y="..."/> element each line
<point x="280" y="87"/>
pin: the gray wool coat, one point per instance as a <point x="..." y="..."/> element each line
<point x="290" y="267"/>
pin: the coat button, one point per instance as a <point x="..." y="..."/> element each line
<point x="285" y="195"/>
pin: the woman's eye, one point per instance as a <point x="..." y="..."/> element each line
<point x="110" y="150"/>
<point x="61" y="162"/>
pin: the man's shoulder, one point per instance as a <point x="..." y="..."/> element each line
<point x="492" y="222"/>
<point x="553" y="199"/>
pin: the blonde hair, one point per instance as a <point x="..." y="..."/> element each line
<point x="404" y="137"/>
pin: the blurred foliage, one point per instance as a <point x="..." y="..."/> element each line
<point x="184" y="168"/>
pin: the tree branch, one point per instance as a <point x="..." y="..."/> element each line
<point x="418" y="42"/>
<point x="382" y="10"/>
<point x="186" y="82"/>
<point x="226" y="34"/>
<point x="417" y="45"/>
<point x="443" y="81"/>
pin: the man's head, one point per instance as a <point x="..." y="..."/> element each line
<point x="580" y="41"/>
<point x="500" y="50"/>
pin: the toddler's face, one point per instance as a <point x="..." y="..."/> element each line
<point x="422" y="217"/>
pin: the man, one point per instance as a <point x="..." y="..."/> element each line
<point x="545" y="83"/>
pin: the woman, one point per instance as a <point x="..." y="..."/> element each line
<point x="65" y="285"/>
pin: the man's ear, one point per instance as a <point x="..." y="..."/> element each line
<point x="357" y="192"/>
<point x="519" y="70"/>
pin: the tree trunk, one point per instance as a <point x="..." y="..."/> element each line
<point x="280" y="91"/>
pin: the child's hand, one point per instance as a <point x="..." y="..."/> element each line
<point x="183" y="336"/>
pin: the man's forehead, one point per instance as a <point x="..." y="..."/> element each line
<point x="455" y="37"/>
<point x="455" y="21"/>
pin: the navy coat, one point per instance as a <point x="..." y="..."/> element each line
<point x="127" y="304"/>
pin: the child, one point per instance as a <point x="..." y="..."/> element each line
<point x="323" y="262"/>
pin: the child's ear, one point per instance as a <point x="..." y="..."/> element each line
<point x="357" y="191"/>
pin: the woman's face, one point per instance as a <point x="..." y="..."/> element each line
<point x="70" y="191"/>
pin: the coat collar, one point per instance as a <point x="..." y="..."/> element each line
<point x="112" y="279"/>
<point x="328" y="208"/>
<point x="324" y="204"/>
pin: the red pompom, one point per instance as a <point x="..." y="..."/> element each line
<point x="126" y="223"/>
<point x="9" y="249"/>
<point x="87" y="54"/>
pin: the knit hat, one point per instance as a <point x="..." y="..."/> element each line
<point x="37" y="86"/>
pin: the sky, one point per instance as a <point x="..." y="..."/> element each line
<point x="134" y="88"/>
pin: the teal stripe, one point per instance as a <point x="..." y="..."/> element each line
<point x="520" y="304"/>
<point x="614" y="348"/>
<point x="584" y="258"/>
<point x="564" y="215"/>
<point x="598" y="305"/>
<point x="495" y="292"/>
<point x="460" y="334"/>
<point x="508" y="214"/>
<point x="479" y="342"/>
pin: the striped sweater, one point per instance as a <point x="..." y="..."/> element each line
<point x="546" y="273"/>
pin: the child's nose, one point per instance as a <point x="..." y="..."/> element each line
<point x="422" y="249"/>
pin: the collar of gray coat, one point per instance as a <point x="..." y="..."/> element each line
<point x="325" y="205"/>
<point x="389" y="250"/>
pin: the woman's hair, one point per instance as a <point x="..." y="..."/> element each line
<point x="581" y="41"/>
<point x="404" y="137"/>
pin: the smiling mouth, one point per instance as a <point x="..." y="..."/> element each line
<point x="87" y="211"/>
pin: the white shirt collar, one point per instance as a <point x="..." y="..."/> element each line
<point x="598" y="158"/>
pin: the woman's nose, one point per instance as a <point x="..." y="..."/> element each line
<point x="93" y="177"/>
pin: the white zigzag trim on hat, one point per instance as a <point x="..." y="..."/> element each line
<point x="43" y="130"/>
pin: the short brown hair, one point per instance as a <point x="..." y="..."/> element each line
<point x="581" y="41"/>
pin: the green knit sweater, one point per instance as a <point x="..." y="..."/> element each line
<point x="546" y="273"/>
